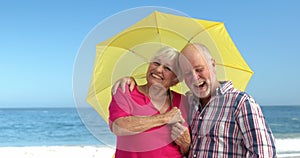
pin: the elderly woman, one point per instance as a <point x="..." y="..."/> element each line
<point x="142" y="119"/>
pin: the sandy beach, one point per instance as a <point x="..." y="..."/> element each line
<point x="96" y="151"/>
<point x="286" y="149"/>
<point x="57" y="152"/>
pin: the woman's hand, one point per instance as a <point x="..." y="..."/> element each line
<point x="174" y="116"/>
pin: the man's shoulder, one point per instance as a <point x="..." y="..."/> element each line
<point x="238" y="93"/>
<point x="240" y="97"/>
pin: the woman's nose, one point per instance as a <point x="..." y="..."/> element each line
<point x="160" y="68"/>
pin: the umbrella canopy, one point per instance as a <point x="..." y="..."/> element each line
<point x="128" y="53"/>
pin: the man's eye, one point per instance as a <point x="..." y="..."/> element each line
<point x="199" y="70"/>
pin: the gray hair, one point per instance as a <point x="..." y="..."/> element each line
<point x="169" y="53"/>
<point x="205" y="51"/>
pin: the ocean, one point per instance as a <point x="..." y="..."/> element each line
<point x="48" y="127"/>
<point x="71" y="126"/>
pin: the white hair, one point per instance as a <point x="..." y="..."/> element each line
<point x="205" y="51"/>
<point x="169" y="53"/>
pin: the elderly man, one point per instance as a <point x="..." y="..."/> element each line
<point x="225" y="122"/>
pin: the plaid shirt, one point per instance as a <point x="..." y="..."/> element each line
<point x="230" y="125"/>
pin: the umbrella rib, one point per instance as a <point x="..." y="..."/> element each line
<point x="219" y="23"/>
<point x="129" y="50"/>
<point x="99" y="90"/>
<point x="96" y="91"/>
<point x="157" y="29"/>
<point x="249" y="71"/>
<point x="156" y="22"/>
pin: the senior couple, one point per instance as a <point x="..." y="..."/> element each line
<point x="213" y="119"/>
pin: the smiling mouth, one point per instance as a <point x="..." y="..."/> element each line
<point x="200" y="84"/>
<point x="156" y="76"/>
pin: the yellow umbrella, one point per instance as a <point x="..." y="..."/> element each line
<point x="127" y="53"/>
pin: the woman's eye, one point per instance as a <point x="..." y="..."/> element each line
<point x="156" y="63"/>
<point x="167" y="68"/>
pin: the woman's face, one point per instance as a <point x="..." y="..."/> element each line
<point x="160" y="72"/>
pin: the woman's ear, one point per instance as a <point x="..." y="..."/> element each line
<point x="174" y="82"/>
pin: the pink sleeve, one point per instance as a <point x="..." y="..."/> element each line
<point x="119" y="106"/>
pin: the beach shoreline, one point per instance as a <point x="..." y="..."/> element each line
<point x="85" y="152"/>
<point x="93" y="151"/>
<point x="57" y="152"/>
<point x="78" y="152"/>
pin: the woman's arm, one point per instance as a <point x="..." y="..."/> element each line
<point x="130" y="125"/>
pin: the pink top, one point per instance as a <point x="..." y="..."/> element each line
<point x="155" y="142"/>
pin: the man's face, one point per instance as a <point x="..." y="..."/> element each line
<point x="196" y="71"/>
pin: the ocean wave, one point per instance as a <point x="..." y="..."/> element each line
<point x="288" y="147"/>
<point x="287" y="135"/>
<point x="295" y="119"/>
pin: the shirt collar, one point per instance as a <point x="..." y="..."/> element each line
<point x="224" y="87"/>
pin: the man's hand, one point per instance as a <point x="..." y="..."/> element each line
<point x="123" y="82"/>
<point x="181" y="136"/>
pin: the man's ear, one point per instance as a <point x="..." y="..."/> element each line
<point x="213" y="63"/>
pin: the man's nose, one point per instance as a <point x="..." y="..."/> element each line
<point x="195" y="75"/>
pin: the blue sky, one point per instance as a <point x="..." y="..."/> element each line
<point x="39" y="42"/>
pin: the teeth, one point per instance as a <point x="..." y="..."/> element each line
<point x="199" y="84"/>
<point x="156" y="76"/>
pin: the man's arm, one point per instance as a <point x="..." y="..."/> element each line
<point x="122" y="83"/>
<point x="257" y="135"/>
<point x="181" y="136"/>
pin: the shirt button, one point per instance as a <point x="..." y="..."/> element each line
<point x="200" y="117"/>
<point x="195" y="155"/>
<point x="199" y="137"/>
